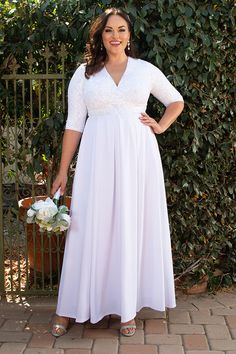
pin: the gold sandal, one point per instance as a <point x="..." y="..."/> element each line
<point x="55" y="331"/>
<point x="129" y="333"/>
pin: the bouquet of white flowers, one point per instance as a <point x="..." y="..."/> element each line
<point x="48" y="215"/>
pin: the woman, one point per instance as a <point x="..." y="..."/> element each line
<point x="118" y="254"/>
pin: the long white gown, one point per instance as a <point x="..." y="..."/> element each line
<point x="118" y="252"/>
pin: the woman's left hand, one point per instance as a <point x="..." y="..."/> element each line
<point x="152" y="123"/>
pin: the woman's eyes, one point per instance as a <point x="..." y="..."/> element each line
<point x="120" y="30"/>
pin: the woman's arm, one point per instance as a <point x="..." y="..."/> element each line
<point x="70" y="143"/>
<point x="172" y="111"/>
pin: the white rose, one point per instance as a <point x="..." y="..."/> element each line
<point x="44" y="227"/>
<point x="30" y="220"/>
<point x="46" y="213"/>
<point x="49" y="227"/>
<point x="31" y="213"/>
<point x="65" y="218"/>
<point x="44" y="203"/>
<point x="37" y="205"/>
<point x="45" y="210"/>
<point x="62" y="223"/>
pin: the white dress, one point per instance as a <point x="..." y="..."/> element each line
<point x="118" y="252"/>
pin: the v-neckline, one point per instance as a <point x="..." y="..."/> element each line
<point x="122" y="76"/>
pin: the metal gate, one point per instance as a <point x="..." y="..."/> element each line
<point x="33" y="92"/>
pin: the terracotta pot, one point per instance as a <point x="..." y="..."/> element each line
<point x="40" y="246"/>
<point x="199" y="288"/>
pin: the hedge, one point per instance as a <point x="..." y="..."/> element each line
<point x="192" y="43"/>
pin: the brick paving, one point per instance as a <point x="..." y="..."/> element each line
<point x="200" y="324"/>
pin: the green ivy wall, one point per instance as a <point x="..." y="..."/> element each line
<point x="192" y="42"/>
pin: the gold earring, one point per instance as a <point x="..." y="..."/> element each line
<point x="128" y="47"/>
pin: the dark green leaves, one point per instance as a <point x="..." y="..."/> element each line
<point x="193" y="43"/>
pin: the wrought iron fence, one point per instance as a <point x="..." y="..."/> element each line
<point x="30" y="262"/>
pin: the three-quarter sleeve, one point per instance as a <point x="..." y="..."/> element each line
<point x="162" y="89"/>
<point x="77" y="110"/>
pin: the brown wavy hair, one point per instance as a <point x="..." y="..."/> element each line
<point x="95" y="56"/>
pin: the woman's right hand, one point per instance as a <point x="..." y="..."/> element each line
<point x="59" y="182"/>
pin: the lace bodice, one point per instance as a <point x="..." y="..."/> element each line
<point x="100" y="95"/>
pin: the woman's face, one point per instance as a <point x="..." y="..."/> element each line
<point x="115" y="35"/>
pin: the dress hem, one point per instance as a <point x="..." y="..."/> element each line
<point x="129" y="318"/>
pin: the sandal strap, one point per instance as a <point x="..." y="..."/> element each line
<point x="128" y="326"/>
<point x="59" y="326"/>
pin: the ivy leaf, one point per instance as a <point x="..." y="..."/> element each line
<point x="159" y="60"/>
<point x="179" y="21"/>
<point x="170" y="40"/>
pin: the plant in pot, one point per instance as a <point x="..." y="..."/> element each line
<point x="44" y="250"/>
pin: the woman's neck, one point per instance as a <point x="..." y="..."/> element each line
<point x="116" y="59"/>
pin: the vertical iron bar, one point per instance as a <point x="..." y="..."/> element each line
<point x="17" y="188"/>
<point x="23" y="112"/>
<point x="31" y="125"/>
<point x="31" y="104"/>
<point x="40" y="98"/>
<point x="47" y="88"/>
<point x="55" y="94"/>
<point x="34" y="231"/>
<point x="2" y="287"/>
<point x="9" y="212"/>
<point x="63" y="84"/>
<point x="8" y="159"/>
<point x="10" y="255"/>
<point x="42" y="255"/>
<point x="50" y="259"/>
<point x="26" y="256"/>
<point x="58" y="257"/>
<point x="24" y="222"/>
<point x="7" y="121"/>
<point x="34" y="253"/>
<point x="47" y="111"/>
